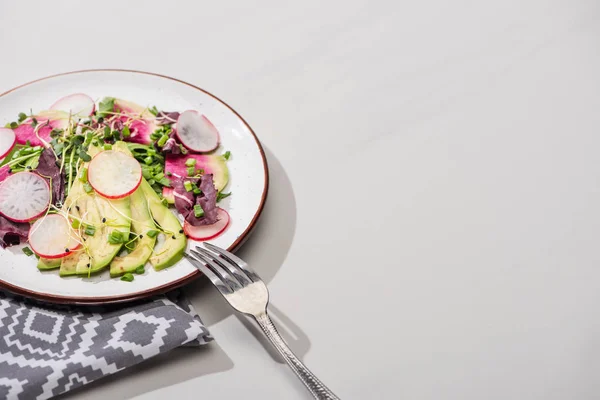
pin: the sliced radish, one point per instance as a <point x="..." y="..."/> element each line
<point x="207" y="232"/>
<point x="196" y="132"/>
<point x="114" y="174"/>
<point x="79" y="105"/>
<point x="24" y="196"/>
<point x="40" y="134"/>
<point x="8" y="139"/>
<point x="52" y="237"/>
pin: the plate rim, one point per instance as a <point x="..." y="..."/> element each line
<point x="103" y="300"/>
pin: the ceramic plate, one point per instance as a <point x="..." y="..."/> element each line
<point x="248" y="180"/>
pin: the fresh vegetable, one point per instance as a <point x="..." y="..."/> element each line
<point x="171" y="250"/>
<point x="78" y="105"/>
<point x="36" y="130"/>
<point x="49" y="170"/>
<point x="8" y="139"/>
<point x="45" y="264"/>
<point x="186" y="201"/>
<point x="11" y="232"/>
<point x="196" y="132"/>
<point x="207" y="163"/>
<point x="24" y="196"/>
<point x="114" y="175"/>
<point x="207" y="232"/>
<point x="53" y="237"/>
<point x="140" y="120"/>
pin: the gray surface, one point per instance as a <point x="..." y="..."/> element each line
<point x="473" y="127"/>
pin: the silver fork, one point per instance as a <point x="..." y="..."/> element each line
<point x="248" y="294"/>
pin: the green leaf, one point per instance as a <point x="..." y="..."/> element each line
<point x="190" y="162"/>
<point x="153" y="110"/>
<point x="83" y="175"/>
<point x="140" y="270"/>
<point x="227" y="155"/>
<point x="22" y="117"/>
<point x="128" y="277"/>
<point x="106" y="106"/>
<point x="13" y="125"/>
<point x="191" y="171"/>
<point x="188" y="186"/>
<point x="107" y="134"/>
<point x="221" y="196"/>
<point x="126" y="132"/>
<point x="152" y="233"/>
<point x="107" y="146"/>
<point x="75" y="224"/>
<point x="27" y="251"/>
<point x="84" y="156"/>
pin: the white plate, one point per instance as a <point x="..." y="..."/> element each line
<point x="248" y="180"/>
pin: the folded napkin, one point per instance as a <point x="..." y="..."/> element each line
<point x="46" y="350"/>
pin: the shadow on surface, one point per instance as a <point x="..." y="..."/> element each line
<point x="151" y="374"/>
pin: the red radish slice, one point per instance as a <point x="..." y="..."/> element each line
<point x="52" y="237"/>
<point x="196" y="132"/>
<point x="79" y="105"/>
<point x="47" y="120"/>
<point x="207" y="232"/>
<point x="24" y="196"/>
<point x="7" y="141"/>
<point x="114" y="174"/>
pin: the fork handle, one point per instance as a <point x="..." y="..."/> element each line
<point x="312" y="383"/>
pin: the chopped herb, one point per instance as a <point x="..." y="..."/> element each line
<point x="152" y="233"/>
<point x="164" y="182"/>
<point x="191" y="171"/>
<point x="190" y="162"/>
<point x="75" y="224"/>
<point x="198" y="211"/>
<point x="115" y="237"/>
<point x="128" y="277"/>
<point x="163" y="139"/>
<point x="151" y="182"/>
<point x="22" y="117"/>
<point x="107" y="146"/>
<point x="83" y="175"/>
<point x="87" y="187"/>
<point x="227" y="155"/>
<point x="27" y="251"/>
<point x="221" y="196"/>
<point x="90" y="230"/>
<point x="197" y="191"/>
<point x="126" y="131"/>
<point x="164" y="202"/>
<point x="148" y="160"/>
<point x="140" y="270"/>
<point x="153" y="110"/>
<point x="14" y="125"/>
<point x="188" y="186"/>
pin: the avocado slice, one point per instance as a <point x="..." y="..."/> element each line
<point x="171" y="251"/>
<point x="175" y="241"/>
<point x="45" y="264"/>
<point x="70" y="263"/>
<point x="106" y="216"/>
<point x="141" y="223"/>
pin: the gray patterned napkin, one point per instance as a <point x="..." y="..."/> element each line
<point x="46" y="350"/>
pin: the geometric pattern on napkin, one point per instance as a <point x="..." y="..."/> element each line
<point x="46" y="350"/>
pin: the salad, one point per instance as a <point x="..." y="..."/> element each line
<point x="90" y="186"/>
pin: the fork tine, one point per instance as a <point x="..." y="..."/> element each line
<point x="218" y="270"/>
<point x="221" y="287"/>
<point x="235" y="260"/>
<point x="237" y="272"/>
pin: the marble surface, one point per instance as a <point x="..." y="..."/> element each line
<point x="432" y="228"/>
